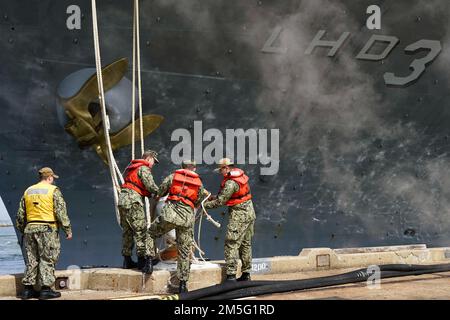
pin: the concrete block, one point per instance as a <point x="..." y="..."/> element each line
<point x="440" y="254"/>
<point x="380" y="249"/>
<point x="77" y="279"/>
<point x="205" y="277"/>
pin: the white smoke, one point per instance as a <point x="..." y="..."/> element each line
<point x="331" y="107"/>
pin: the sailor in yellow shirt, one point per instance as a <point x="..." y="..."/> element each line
<point x="41" y="213"/>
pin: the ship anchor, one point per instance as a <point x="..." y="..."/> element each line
<point x="82" y="115"/>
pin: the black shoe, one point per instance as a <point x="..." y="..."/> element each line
<point x="140" y="263"/>
<point x="128" y="263"/>
<point x="244" y="277"/>
<point x="145" y="264"/>
<point x="155" y="261"/>
<point x="47" y="293"/>
<point x="230" y="278"/>
<point x="29" y="293"/>
<point x="183" y="287"/>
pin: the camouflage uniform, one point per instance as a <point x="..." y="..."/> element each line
<point x="133" y="218"/>
<point x="41" y="242"/>
<point x="181" y="217"/>
<point x="240" y="230"/>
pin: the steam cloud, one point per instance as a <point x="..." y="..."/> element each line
<point x="381" y="172"/>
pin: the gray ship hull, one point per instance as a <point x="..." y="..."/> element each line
<point x="361" y="161"/>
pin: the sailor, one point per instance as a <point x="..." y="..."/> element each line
<point x="42" y="211"/>
<point x="235" y="194"/>
<point x="138" y="184"/>
<point x="185" y="192"/>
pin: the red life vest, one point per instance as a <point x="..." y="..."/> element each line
<point x="132" y="180"/>
<point x="243" y="194"/>
<point x="185" y="187"/>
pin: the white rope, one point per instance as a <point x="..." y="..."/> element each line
<point x="111" y="161"/>
<point x="197" y="245"/>
<point x="137" y="56"/>
<point x="119" y="174"/>
<point x="210" y="219"/>
<point x="138" y="53"/>
<point x="133" y="96"/>
<point x="147" y="213"/>
<point x="199" y="231"/>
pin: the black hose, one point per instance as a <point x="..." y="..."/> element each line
<point x="232" y="286"/>
<point x="387" y="271"/>
<point x="221" y="288"/>
<point x="234" y="290"/>
<point x="412" y="267"/>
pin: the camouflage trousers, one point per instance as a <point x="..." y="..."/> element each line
<point x="42" y="250"/>
<point x="184" y="240"/>
<point x="238" y="245"/>
<point x="134" y="231"/>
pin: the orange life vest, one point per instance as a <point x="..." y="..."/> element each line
<point x="132" y="180"/>
<point x="185" y="187"/>
<point x="243" y="194"/>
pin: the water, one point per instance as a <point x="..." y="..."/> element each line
<point x="11" y="260"/>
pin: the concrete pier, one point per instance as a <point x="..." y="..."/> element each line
<point x="111" y="283"/>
